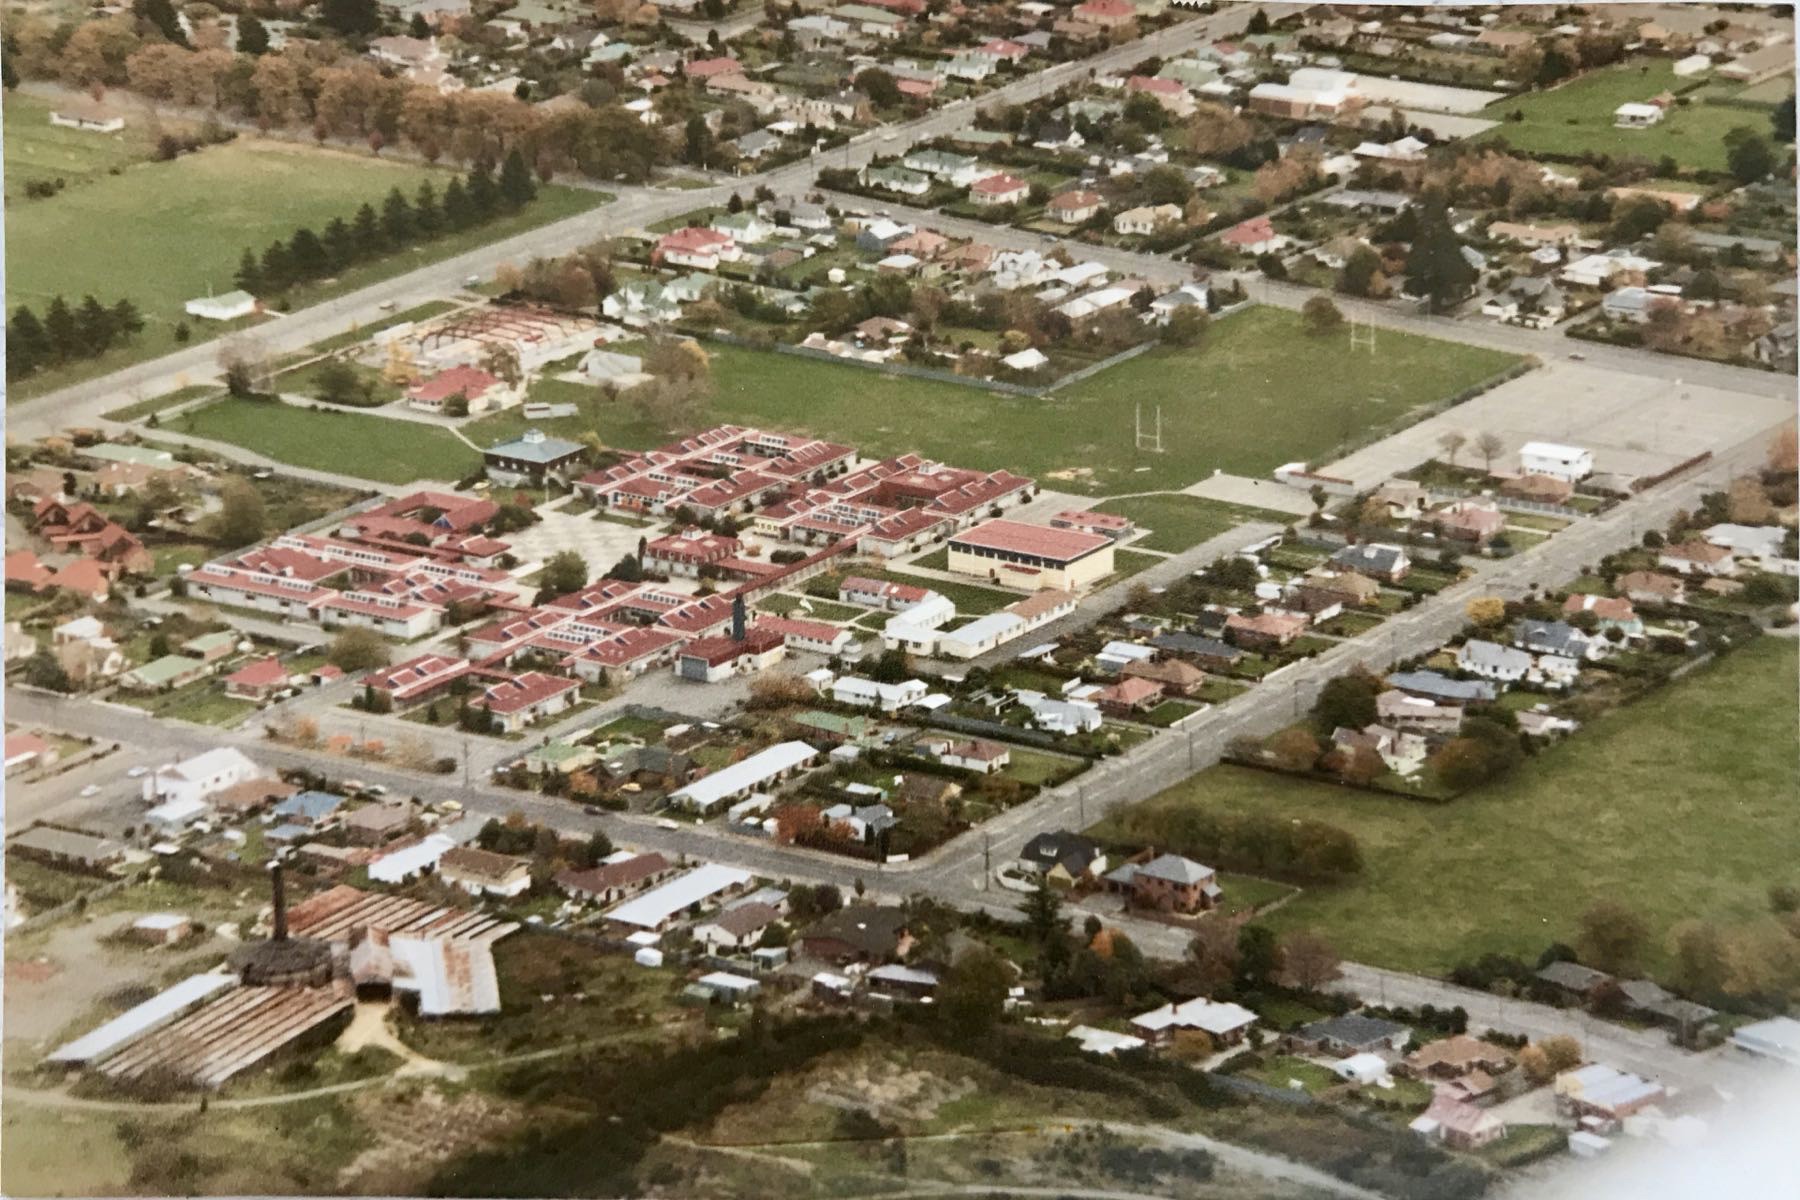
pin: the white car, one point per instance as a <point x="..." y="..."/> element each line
<point x="666" y="823"/>
<point x="92" y="789"/>
<point x="137" y="772"/>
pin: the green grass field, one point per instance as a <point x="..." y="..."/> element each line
<point x="1259" y="393"/>
<point x="1577" y="118"/>
<point x="163" y="233"/>
<point x="338" y="440"/>
<point x="38" y="150"/>
<point x="1177" y="522"/>
<point x="1679" y="805"/>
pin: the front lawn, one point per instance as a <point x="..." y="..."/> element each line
<point x="1679" y="805"/>
<point x="327" y="439"/>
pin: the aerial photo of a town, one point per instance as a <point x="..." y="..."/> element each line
<point x="815" y="600"/>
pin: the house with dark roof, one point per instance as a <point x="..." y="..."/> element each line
<point x="866" y="933"/>
<point x="1063" y="857"/>
<point x="1573" y="980"/>
<point x="1351" y="1033"/>
<point x="531" y="458"/>
<point x="1376" y="560"/>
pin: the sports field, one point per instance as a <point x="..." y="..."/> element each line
<point x="1258" y="393"/>
<point x="1577" y="118"/>
<point x="1680" y="805"/>
<point x="337" y="440"/>
<point x="1178" y="521"/>
<point x="162" y="233"/>
<point x="39" y="151"/>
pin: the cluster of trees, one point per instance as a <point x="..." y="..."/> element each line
<point x="309" y="256"/>
<point x="575" y="281"/>
<point x="1227" y="958"/>
<point x="1260" y="843"/>
<point x="67" y="333"/>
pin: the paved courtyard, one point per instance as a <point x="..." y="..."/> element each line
<point x="1639" y="429"/>
<point x="601" y="543"/>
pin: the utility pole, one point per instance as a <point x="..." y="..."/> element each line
<point x="467" y="785"/>
<point x="987" y="859"/>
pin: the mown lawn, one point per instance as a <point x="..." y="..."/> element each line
<point x="338" y="440"/>
<point x="1177" y="522"/>
<point x="1680" y="805"/>
<point x="1259" y="393"/>
<point x="1577" y="118"/>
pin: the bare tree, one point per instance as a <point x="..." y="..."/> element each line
<point x="1451" y="443"/>
<point x="1308" y="960"/>
<point x="1489" y="445"/>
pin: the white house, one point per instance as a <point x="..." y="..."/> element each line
<point x="1568" y="463"/>
<point x="229" y="307"/>
<point x="1636" y="116"/>
<point x="197" y="778"/>
<point x="867" y="693"/>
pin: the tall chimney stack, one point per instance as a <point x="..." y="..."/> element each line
<point x="281" y="930"/>
<point x="737" y="617"/>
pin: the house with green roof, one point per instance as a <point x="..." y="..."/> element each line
<point x="840" y="728"/>
<point x="211" y="647"/>
<point x="161" y="674"/>
<point x="563" y="758"/>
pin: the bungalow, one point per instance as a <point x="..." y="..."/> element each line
<point x="1697" y="557"/>
<point x="1374" y="560"/>
<point x="1146" y="219"/>
<point x="25" y="751"/>
<point x="479" y="871"/>
<point x="1597" y="1090"/>
<point x="734" y="782"/>
<point x="984" y="758"/>
<point x="1074" y="207"/>
<point x="1176" y="676"/>
<point x="1574" y="981"/>
<point x="1490" y="660"/>
<point x="1433" y="685"/>
<point x="1169" y="93"/>
<point x="701" y="249"/>
<point x="1226" y="1024"/>
<point x="996" y="190"/>
<point x="737" y="928"/>
<point x="621" y="875"/>
<point x="257" y="680"/>
<point x="1265" y="631"/>
<point x="866" y="933"/>
<point x="868" y="693"/>
<point x="1652" y="587"/>
<point x="1457" y="1123"/>
<point x="1351" y="1033"/>
<point x="1542" y="489"/>
<point x="87" y="115"/>
<point x="1106" y="14"/>
<point x="1397" y="709"/>
<point x="1063" y="858"/>
<point x="1455" y="1057"/>
<point x="1255" y="236"/>
<point x="1472" y="521"/>
<point x="1208" y="652"/>
<point x="1128" y="696"/>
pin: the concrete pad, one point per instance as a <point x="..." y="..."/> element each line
<point x="1429" y="97"/>
<point x="1635" y="426"/>
<point x="1255" y="493"/>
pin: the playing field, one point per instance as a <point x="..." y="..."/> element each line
<point x="1680" y="806"/>
<point x="337" y="440"/>
<point x="1258" y="393"/>
<point x="162" y="233"/>
<point x="1577" y="118"/>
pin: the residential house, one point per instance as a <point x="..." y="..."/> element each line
<point x="1609" y="612"/>
<point x="1176" y="676"/>
<point x="1168" y="883"/>
<point x="1474" y="521"/>
<point x="996" y="190"/>
<point x="1063" y="857"/>
<point x="1225" y="1023"/>
<point x="1128" y="696"/>
<point x="700" y="249"/>
<point x="865" y="933"/>
<point x="1542" y="489"/>
<point x="525" y="699"/>
<point x="479" y="871"/>
<point x="1265" y="630"/>
<point x="1697" y="557"/>
<point x="258" y="679"/>
<point x="621" y="875"/>
<point x="1074" y="207"/>
<point x="984" y="758"/>
<point x="1575" y="981"/>
<point x="1598" y="1090"/>
<point x="1375" y="560"/>
<point x="1457" y="1123"/>
<point x="1652" y="587"/>
<point x="1490" y="660"/>
<point x="1403" y="712"/>
<point x="1255" y="236"/>
<point x="1351" y="1033"/>
<point x="738" y="927"/>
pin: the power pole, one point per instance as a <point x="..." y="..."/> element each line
<point x="987" y="859"/>
<point x="467" y="785"/>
